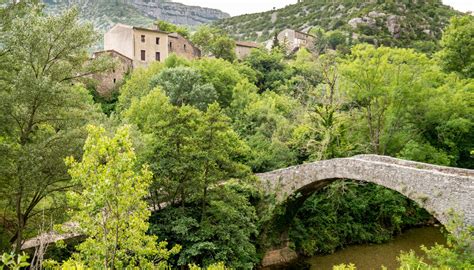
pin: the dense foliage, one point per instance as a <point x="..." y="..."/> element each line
<point x="42" y="111"/>
<point x="109" y="207"/>
<point x="196" y="132"/>
<point x="348" y="213"/>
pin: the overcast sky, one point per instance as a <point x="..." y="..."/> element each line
<point x="237" y="7"/>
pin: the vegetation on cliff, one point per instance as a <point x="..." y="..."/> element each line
<point x="416" y="24"/>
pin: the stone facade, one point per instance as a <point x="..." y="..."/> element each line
<point x="108" y="81"/>
<point x="294" y="40"/>
<point x="243" y="48"/>
<point x="142" y="45"/>
<point x="183" y="47"/>
<point x="437" y="189"/>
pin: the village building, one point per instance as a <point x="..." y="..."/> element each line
<point x="142" y="45"/>
<point x="134" y="47"/>
<point x="183" y="47"/>
<point x="108" y="81"/>
<point x="293" y="40"/>
<point x="243" y="48"/>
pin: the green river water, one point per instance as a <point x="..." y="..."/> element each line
<point x="367" y="257"/>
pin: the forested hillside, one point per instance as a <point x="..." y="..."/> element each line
<point x="164" y="175"/>
<point x="392" y="23"/>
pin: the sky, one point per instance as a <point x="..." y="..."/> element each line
<point x="238" y="7"/>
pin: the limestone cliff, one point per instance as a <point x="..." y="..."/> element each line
<point x="104" y="13"/>
<point x="177" y="13"/>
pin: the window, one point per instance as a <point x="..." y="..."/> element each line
<point x="143" y="55"/>
<point x="115" y="80"/>
<point x="171" y="45"/>
<point x="157" y="56"/>
<point x="157" y="41"/>
<point x="184" y="47"/>
<point x="143" y="38"/>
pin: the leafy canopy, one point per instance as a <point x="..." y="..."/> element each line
<point x="110" y="206"/>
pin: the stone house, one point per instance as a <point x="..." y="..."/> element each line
<point x="295" y="40"/>
<point x="142" y="45"/>
<point x="243" y="48"/>
<point x="183" y="47"/>
<point x="138" y="47"/>
<point x="108" y="81"/>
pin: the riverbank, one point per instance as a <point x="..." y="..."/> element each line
<point x="371" y="256"/>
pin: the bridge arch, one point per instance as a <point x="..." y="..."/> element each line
<point x="437" y="189"/>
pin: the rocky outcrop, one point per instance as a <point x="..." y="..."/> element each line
<point x="177" y="13"/>
<point x="355" y="22"/>
<point x="278" y="257"/>
<point x="394" y="25"/>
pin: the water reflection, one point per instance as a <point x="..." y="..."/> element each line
<point x="373" y="256"/>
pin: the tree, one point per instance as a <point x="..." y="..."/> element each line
<point x="172" y="28"/>
<point x="222" y="75"/>
<point x="173" y="155"/>
<point x="457" y="52"/>
<point x="224" y="47"/>
<point x="271" y="69"/>
<point x="110" y="207"/>
<point x="321" y="41"/>
<point x="215" y="42"/>
<point x="43" y="109"/>
<point x="185" y="86"/>
<point x="192" y="154"/>
<point x="138" y="85"/>
<point x="335" y="38"/>
<point x="322" y="132"/>
<point x="203" y="38"/>
<point x="382" y="83"/>
<point x="265" y="122"/>
<point x="220" y="149"/>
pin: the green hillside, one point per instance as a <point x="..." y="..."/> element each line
<point x="103" y="14"/>
<point x="392" y="23"/>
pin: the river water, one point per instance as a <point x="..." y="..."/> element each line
<point x="367" y="257"/>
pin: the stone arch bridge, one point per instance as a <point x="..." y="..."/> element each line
<point x="438" y="189"/>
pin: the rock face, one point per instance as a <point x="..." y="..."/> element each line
<point x="173" y="12"/>
<point x="177" y="13"/>
<point x="394" y="25"/>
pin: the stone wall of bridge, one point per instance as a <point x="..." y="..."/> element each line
<point x="438" y="189"/>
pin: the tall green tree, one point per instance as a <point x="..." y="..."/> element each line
<point x="192" y="154"/>
<point x="213" y="41"/>
<point x="271" y="69"/>
<point x="110" y="207"/>
<point x="381" y="82"/>
<point x="42" y="111"/>
<point x="457" y="52"/>
<point x="185" y="86"/>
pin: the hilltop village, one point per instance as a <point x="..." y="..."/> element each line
<point x="134" y="47"/>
